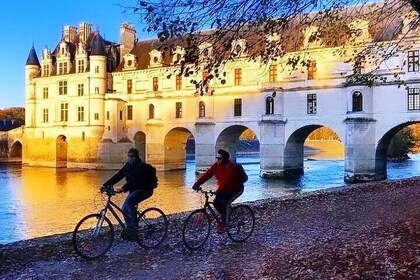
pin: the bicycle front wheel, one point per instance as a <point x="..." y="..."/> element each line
<point x="153" y="228"/>
<point x="196" y="229"/>
<point x="93" y="236"/>
<point x="241" y="225"/>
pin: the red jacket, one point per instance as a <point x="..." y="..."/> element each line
<point x="229" y="179"/>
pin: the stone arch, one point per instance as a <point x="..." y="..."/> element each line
<point x="175" y="148"/>
<point x="61" y="151"/>
<point x="382" y="148"/>
<point x="294" y="148"/>
<point x="228" y="139"/>
<point x="140" y="143"/>
<point x="16" y="150"/>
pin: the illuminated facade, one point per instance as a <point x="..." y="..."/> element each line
<point x="90" y="100"/>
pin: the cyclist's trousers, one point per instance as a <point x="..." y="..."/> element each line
<point x="222" y="203"/>
<point x="130" y="203"/>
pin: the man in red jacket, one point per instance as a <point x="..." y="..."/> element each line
<point x="230" y="185"/>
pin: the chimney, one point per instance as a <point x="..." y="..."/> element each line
<point x="127" y="38"/>
<point x="70" y="33"/>
<point x="84" y="30"/>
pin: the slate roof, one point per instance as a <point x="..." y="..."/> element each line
<point x="32" y="58"/>
<point x="8" y="124"/>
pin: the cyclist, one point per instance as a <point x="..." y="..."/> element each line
<point x="230" y="181"/>
<point x="141" y="180"/>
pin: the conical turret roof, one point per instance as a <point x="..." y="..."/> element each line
<point x="32" y="58"/>
<point x="97" y="45"/>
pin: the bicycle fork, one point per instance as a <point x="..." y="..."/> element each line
<point x="99" y="224"/>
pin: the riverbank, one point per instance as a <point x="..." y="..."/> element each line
<point x="363" y="231"/>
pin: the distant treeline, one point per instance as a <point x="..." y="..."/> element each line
<point x="16" y="113"/>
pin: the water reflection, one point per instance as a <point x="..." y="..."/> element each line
<point x="44" y="201"/>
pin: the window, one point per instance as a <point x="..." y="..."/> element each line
<point x="201" y="109"/>
<point x="80" y="66"/>
<point x="83" y="136"/>
<point x="357" y="100"/>
<point x="272" y="76"/>
<point x="65" y="68"/>
<point x="359" y="65"/>
<point x="311" y="103"/>
<point x="269" y="105"/>
<point x="45" y="116"/>
<point x="129" y="86"/>
<point x="178" y="110"/>
<point x="178" y="83"/>
<point x="129" y="112"/>
<point x="46" y="70"/>
<point x="413" y="61"/>
<point x="80" y="114"/>
<point x="413" y="99"/>
<point x="151" y="111"/>
<point x="237" y="107"/>
<point x="80" y="90"/>
<point x="45" y="93"/>
<point x="121" y="115"/>
<point x="62" y="87"/>
<point x="64" y="112"/>
<point x="238" y="76"/>
<point x="96" y="69"/>
<point x="96" y="90"/>
<point x="107" y="115"/>
<point x="96" y="116"/>
<point x="311" y="69"/>
<point x="155" y="84"/>
<point x="60" y="68"/>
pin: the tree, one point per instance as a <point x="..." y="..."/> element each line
<point x="272" y="30"/>
<point x="16" y="113"/>
<point x="402" y="143"/>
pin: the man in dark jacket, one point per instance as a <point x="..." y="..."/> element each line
<point x="141" y="180"/>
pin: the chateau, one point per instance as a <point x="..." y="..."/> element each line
<point x="89" y="100"/>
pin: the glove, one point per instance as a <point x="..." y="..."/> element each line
<point x="105" y="188"/>
<point x="196" y="187"/>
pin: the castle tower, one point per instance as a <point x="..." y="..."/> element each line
<point x="127" y="39"/>
<point x="32" y="70"/>
<point x="97" y="79"/>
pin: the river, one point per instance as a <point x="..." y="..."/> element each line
<point x="39" y="201"/>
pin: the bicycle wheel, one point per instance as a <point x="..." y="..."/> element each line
<point x="92" y="237"/>
<point x="196" y="229"/>
<point x="153" y="227"/>
<point x="241" y="223"/>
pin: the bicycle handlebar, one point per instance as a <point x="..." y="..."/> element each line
<point x="109" y="190"/>
<point x="209" y="193"/>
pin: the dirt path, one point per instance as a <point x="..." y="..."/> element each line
<point x="367" y="231"/>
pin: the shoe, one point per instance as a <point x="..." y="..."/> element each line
<point x="221" y="228"/>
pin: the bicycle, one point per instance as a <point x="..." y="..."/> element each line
<point x="196" y="229"/>
<point x="94" y="234"/>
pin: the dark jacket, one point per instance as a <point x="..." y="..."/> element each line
<point x="138" y="175"/>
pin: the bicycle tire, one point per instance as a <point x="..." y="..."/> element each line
<point x="152" y="227"/>
<point x="90" y="243"/>
<point x="242" y="223"/>
<point x="196" y="229"/>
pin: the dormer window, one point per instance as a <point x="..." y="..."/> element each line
<point x="155" y="58"/>
<point x="205" y="50"/>
<point x="178" y="54"/>
<point x="130" y="62"/>
<point x="360" y="30"/>
<point x="238" y="48"/>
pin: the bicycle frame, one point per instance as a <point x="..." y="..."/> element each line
<point x="112" y="206"/>
<point x="207" y="206"/>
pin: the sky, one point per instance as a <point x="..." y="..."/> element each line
<point x="40" y="23"/>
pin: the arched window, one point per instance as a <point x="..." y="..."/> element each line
<point x="357" y="100"/>
<point x="269" y="105"/>
<point x="202" y="109"/>
<point x="151" y="111"/>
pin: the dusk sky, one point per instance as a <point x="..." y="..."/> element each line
<point x="40" y="23"/>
